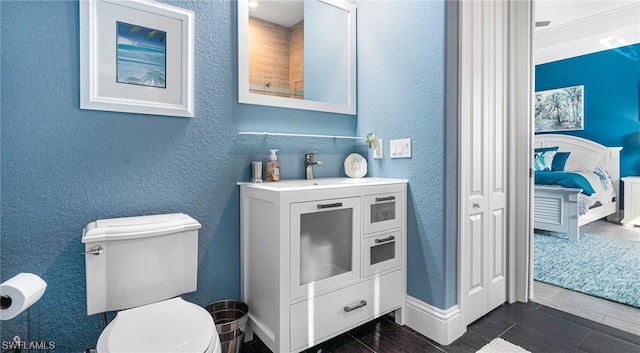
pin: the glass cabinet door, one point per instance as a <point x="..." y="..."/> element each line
<point x="381" y="252"/>
<point x="325" y="245"/>
<point x="382" y="212"/>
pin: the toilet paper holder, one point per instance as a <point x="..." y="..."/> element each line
<point x="17" y="295"/>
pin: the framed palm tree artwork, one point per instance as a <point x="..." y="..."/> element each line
<point x="136" y="56"/>
<point x="560" y="109"/>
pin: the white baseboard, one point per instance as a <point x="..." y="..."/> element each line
<point x="442" y="326"/>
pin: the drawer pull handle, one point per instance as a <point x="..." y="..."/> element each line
<point x="352" y="308"/>
<point x="389" y="198"/>
<point x="330" y="205"/>
<point x="378" y="241"/>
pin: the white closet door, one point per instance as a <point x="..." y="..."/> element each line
<point x="484" y="157"/>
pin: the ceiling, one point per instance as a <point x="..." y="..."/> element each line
<point x="565" y="11"/>
<point x="283" y="12"/>
<point x="580" y="27"/>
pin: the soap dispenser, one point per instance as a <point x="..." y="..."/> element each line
<point x="273" y="167"/>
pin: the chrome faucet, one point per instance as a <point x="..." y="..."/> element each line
<point x="309" y="163"/>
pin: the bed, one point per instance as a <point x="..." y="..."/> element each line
<point x="565" y="208"/>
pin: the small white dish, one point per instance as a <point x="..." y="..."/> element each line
<point x="355" y="166"/>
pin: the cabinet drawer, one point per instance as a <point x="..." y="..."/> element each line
<point x="343" y="309"/>
<point x="382" y="212"/>
<point x="381" y="252"/>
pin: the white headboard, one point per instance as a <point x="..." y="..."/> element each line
<point x="567" y="143"/>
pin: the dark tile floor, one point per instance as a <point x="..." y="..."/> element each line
<point x="534" y="327"/>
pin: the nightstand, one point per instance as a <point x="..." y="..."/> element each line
<point x="631" y="200"/>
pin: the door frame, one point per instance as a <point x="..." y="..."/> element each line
<point x="521" y="91"/>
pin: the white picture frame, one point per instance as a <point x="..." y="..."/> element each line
<point x="104" y="84"/>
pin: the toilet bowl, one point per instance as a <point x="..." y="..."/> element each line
<point x="139" y="266"/>
<point x="171" y="326"/>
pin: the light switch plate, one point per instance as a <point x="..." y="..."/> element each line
<point x="400" y="148"/>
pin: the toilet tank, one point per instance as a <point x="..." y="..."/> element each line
<point x="143" y="260"/>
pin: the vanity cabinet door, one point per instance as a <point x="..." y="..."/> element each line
<point x="325" y="245"/>
<point x="382" y="212"/>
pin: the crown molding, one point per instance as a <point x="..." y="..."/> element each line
<point x="608" y="30"/>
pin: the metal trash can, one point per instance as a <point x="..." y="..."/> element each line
<point x="230" y="317"/>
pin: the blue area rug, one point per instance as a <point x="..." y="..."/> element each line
<point x="597" y="265"/>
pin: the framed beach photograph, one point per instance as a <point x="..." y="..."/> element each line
<point x="560" y="109"/>
<point x="137" y="56"/>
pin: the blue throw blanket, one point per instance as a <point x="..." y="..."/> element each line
<point x="566" y="179"/>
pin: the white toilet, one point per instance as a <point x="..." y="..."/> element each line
<point x="139" y="266"/>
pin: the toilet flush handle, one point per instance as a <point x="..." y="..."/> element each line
<point x="96" y="250"/>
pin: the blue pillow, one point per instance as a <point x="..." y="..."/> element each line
<point x="559" y="160"/>
<point x="543" y="161"/>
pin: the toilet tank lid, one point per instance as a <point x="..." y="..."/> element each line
<point x="138" y="227"/>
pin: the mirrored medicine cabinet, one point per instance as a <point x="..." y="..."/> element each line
<point x="298" y="54"/>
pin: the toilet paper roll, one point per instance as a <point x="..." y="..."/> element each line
<point x="19" y="293"/>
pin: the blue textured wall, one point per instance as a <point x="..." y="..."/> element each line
<point x="401" y="94"/>
<point x="63" y="167"/>
<point x="611" y="80"/>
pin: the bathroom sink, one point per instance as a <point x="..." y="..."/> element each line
<point x="301" y="184"/>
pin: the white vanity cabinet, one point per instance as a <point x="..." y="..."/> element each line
<point x="320" y="257"/>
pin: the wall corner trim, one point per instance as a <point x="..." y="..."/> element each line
<point x="442" y="326"/>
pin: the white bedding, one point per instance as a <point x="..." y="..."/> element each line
<point x="602" y="184"/>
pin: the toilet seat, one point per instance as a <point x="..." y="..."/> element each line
<point x="171" y="326"/>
